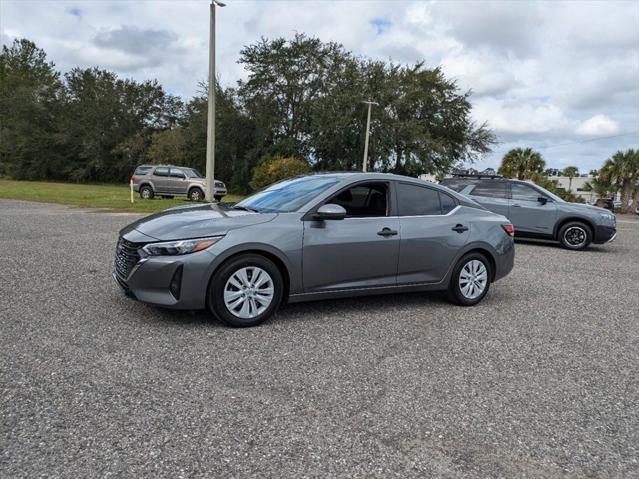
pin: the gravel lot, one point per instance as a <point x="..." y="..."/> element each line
<point x="540" y="380"/>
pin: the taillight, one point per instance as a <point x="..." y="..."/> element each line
<point x="133" y="179"/>
<point x="509" y="229"/>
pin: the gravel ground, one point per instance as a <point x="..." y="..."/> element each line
<point x="540" y="380"/>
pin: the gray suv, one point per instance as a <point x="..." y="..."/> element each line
<point x="315" y="237"/>
<point x="168" y="181"/>
<point x="536" y="212"/>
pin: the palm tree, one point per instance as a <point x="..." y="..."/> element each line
<point x="525" y="164"/>
<point x="622" y="171"/>
<point x="570" y="172"/>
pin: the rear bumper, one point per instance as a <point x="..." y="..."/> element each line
<point x="604" y="234"/>
<point x="505" y="259"/>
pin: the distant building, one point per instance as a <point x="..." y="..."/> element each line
<point x="552" y="172"/>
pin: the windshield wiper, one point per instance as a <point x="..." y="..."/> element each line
<point x="245" y="208"/>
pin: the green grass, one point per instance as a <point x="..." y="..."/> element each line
<point x="107" y="196"/>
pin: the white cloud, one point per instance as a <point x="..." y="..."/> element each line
<point x="598" y="125"/>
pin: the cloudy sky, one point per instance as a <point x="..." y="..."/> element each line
<point x="562" y="77"/>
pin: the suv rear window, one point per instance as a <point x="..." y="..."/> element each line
<point x="161" y="171"/>
<point x="142" y="170"/>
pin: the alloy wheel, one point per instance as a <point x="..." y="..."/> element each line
<point x="575" y="236"/>
<point x="473" y="279"/>
<point x="248" y="292"/>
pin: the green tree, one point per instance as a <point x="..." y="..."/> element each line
<point x="523" y="164"/>
<point x="570" y="172"/>
<point x="622" y="171"/>
<point x="30" y="103"/>
<point x="272" y="170"/>
<point x="601" y="188"/>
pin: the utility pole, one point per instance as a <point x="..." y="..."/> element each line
<point x="368" y="129"/>
<point x="210" y="125"/>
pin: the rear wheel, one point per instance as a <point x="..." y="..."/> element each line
<point x="470" y="280"/>
<point x="245" y="291"/>
<point x="196" y="194"/>
<point x="575" y="235"/>
<point x="146" y="193"/>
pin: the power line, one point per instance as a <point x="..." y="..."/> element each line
<point x="589" y="140"/>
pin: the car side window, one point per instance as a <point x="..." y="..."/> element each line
<point x="161" y="171"/>
<point x="490" y="189"/>
<point x="524" y="192"/>
<point x="414" y="200"/>
<point x="366" y="200"/>
<point x="447" y="202"/>
<point x="177" y="173"/>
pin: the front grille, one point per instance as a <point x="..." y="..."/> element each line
<point x="126" y="257"/>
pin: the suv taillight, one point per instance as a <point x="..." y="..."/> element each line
<point x="509" y="229"/>
<point x="133" y="179"/>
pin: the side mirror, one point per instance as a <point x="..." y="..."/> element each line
<point x="330" y="211"/>
<point x="543" y="200"/>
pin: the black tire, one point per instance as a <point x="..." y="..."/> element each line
<point x="196" y="194"/>
<point x="575" y="235"/>
<point x="216" y="290"/>
<point x="167" y="197"/>
<point x="218" y="197"/>
<point x="455" y="293"/>
<point x="146" y="192"/>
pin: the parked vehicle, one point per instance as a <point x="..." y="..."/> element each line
<point x="606" y="203"/>
<point x="536" y="212"/>
<point x="168" y="181"/>
<point x="315" y="237"/>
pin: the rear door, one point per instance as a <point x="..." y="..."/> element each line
<point x="431" y="233"/>
<point x="528" y="214"/>
<point x="161" y="181"/>
<point x="360" y="251"/>
<point x="491" y="194"/>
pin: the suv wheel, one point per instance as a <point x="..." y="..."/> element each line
<point x="575" y="235"/>
<point x="470" y="281"/>
<point x="146" y="193"/>
<point x="196" y="194"/>
<point x="245" y="291"/>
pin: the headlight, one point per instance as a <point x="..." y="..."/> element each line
<point x="610" y="218"/>
<point x="173" y="248"/>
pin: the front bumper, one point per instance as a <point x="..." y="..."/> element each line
<point x="604" y="234"/>
<point x="178" y="282"/>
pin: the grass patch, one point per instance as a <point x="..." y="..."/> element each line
<point x="108" y="196"/>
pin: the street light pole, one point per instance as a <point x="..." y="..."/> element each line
<point x="368" y="129"/>
<point x="210" y="126"/>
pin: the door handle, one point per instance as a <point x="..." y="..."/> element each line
<point x="387" y="232"/>
<point x="460" y="228"/>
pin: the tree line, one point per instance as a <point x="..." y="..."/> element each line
<point x="302" y="99"/>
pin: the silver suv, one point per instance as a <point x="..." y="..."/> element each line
<point x="536" y="212"/>
<point x="170" y="180"/>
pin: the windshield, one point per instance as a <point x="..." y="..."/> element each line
<point x="288" y="195"/>
<point x="192" y="173"/>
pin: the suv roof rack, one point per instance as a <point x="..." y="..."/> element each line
<point x="476" y="175"/>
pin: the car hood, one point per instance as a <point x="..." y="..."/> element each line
<point x="583" y="208"/>
<point x="185" y="222"/>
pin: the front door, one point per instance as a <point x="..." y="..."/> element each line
<point x="360" y="251"/>
<point x="432" y="232"/>
<point x="528" y="214"/>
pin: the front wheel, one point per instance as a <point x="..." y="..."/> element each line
<point x="575" y="236"/>
<point x="196" y="194"/>
<point x="470" y="280"/>
<point x="245" y="291"/>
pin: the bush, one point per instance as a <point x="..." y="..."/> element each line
<point x="271" y="170"/>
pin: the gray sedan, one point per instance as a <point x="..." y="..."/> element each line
<point x="315" y="237"/>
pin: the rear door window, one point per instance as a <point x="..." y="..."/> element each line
<point x="177" y="173"/>
<point x="447" y="202"/>
<point x="414" y="200"/>
<point x="161" y="171"/>
<point x="490" y="189"/>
